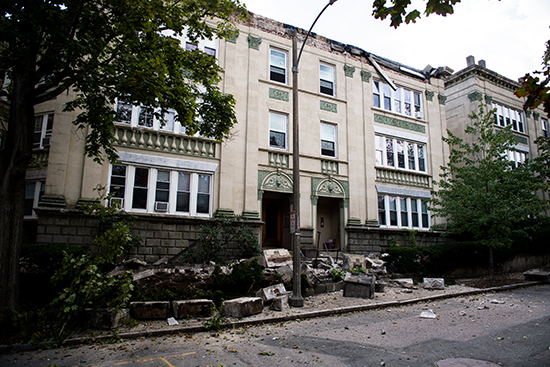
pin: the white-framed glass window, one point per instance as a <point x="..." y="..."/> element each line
<point x="33" y="193"/>
<point x="143" y="117"/>
<point x="328" y="140"/>
<point x="399" y="153"/>
<point x="326" y="79"/>
<point x="403" y="212"/>
<point x="278" y="128"/>
<point x="505" y="116"/>
<point x="43" y="127"/>
<point x="140" y="189"/>
<point x="516" y="157"/>
<point x="402" y="101"/>
<point x="544" y="124"/>
<point x="278" y="66"/>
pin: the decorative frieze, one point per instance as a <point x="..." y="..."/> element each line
<point x="281" y="95"/>
<point x="399" y="123"/>
<point x="521" y="139"/>
<point x="349" y="70"/>
<point x="274" y="181"/>
<point x="329" y="187"/>
<point x="254" y="42"/>
<point x="329" y="106"/>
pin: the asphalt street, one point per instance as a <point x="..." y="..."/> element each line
<point x="508" y="329"/>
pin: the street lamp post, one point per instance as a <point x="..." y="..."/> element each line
<point x="296" y="299"/>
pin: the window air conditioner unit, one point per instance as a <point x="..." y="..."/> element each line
<point x="161" y="206"/>
<point x="46" y="142"/>
<point x="419" y="115"/>
<point x="116" y="202"/>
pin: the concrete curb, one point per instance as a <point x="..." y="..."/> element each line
<point x="4" y="349"/>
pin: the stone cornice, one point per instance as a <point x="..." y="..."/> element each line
<point x="481" y="72"/>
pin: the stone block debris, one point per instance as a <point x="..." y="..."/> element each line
<point x="192" y="308"/>
<point x="359" y="286"/>
<point x="280" y="303"/>
<point x="269" y="293"/>
<point x="428" y="314"/>
<point x="434" y="283"/>
<point x="242" y="307"/>
<point x="537" y="275"/>
<point x="275" y="258"/>
<point x="403" y="283"/>
<point x="351" y="261"/>
<point x="172" y="321"/>
<point x="106" y="318"/>
<point x="150" y="310"/>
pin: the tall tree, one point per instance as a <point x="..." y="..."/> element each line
<point x="103" y="50"/>
<point x="481" y="192"/>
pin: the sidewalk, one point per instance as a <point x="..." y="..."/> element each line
<point x="326" y="304"/>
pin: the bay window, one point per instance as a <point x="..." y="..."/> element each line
<point x="403" y="212"/>
<point x="505" y="116"/>
<point x="402" y="101"/>
<point x="140" y="189"/>
<point x="399" y="153"/>
<point x="141" y="116"/>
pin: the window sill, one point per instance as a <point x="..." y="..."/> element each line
<point x="403" y="170"/>
<point x="398" y="115"/>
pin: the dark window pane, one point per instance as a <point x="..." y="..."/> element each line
<point x="203" y="203"/>
<point x="29" y="203"/>
<point x="376" y="100"/>
<point x="142" y="175"/>
<point x="277" y="139"/>
<point x="327" y="148"/>
<point x="277" y="74"/>
<point x="140" y="198"/>
<point x="182" y="204"/>
<point x="327" y="87"/>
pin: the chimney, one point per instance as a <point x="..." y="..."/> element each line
<point x="470" y="60"/>
<point x="482" y="63"/>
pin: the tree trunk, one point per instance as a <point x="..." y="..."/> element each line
<point x="14" y="160"/>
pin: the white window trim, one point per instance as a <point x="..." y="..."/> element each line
<point x="36" y="196"/>
<point x="157" y="125"/>
<point x="401" y="92"/>
<point x="384" y="153"/>
<point x="335" y="127"/>
<point x="333" y="81"/>
<point x="286" y="68"/>
<point x="285" y="132"/>
<point x="509" y="113"/>
<point x="544" y="125"/>
<point x="44" y="133"/>
<point x="409" y="212"/>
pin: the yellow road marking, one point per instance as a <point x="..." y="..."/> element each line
<point x="152" y="359"/>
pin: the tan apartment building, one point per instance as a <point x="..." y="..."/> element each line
<point x="370" y="147"/>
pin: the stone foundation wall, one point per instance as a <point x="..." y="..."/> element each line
<point x="162" y="236"/>
<point x="365" y="240"/>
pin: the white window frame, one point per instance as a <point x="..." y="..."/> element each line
<point x="169" y="124"/>
<point x="403" y="101"/>
<point x="544" y="124"/>
<point x="277" y="130"/>
<point x="272" y="65"/>
<point x="382" y="155"/>
<point x="152" y="206"/>
<point x="505" y="116"/>
<point x="37" y="190"/>
<point x="516" y="157"/>
<point x="334" y="140"/>
<point x="404" y="215"/>
<point x="327" y="75"/>
<point x="43" y="132"/>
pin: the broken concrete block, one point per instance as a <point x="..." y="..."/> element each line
<point x="285" y="272"/>
<point x="268" y="293"/>
<point x="380" y="286"/>
<point x="320" y="288"/>
<point x="434" y="283"/>
<point x="428" y="314"/>
<point x="161" y="261"/>
<point x="374" y="263"/>
<point x="403" y="282"/>
<point x="192" y="308"/>
<point x="150" y="310"/>
<point x="242" y="307"/>
<point x="335" y="287"/>
<point x="280" y="303"/>
<point x="353" y="261"/>
<point x="172" y="321"/>
<point x="537" y="275"/>
<point x="359" y="286"/>
<point x="144" y="274"/>
<point x="133" y="263"/>
<point x="106" y="318"/>
<point x="275" y="258"/>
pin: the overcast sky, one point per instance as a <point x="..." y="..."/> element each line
<point x="510" y="35"/>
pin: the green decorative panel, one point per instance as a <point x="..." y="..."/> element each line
<point x="442" y="99"/>
<point x="488" y="99"/>
<point x="329" y="106"/>
<point x="528" y="113"/>
<point x="349" y="70"/>
<point x="329" y="187"/>
<point x="281" y="95"/>
<point x="274" y="181"/>
<point x="399" y="123"/>
<point x="521" y="139"/>
<point x="254" y="42"/>
<point x="536" y="116"/>
<point x="474" y="96"/>
<point x="429" y="95"/>
<point x="365" y="76"/>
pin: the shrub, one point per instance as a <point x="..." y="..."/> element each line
<point x="243" y="277"/>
